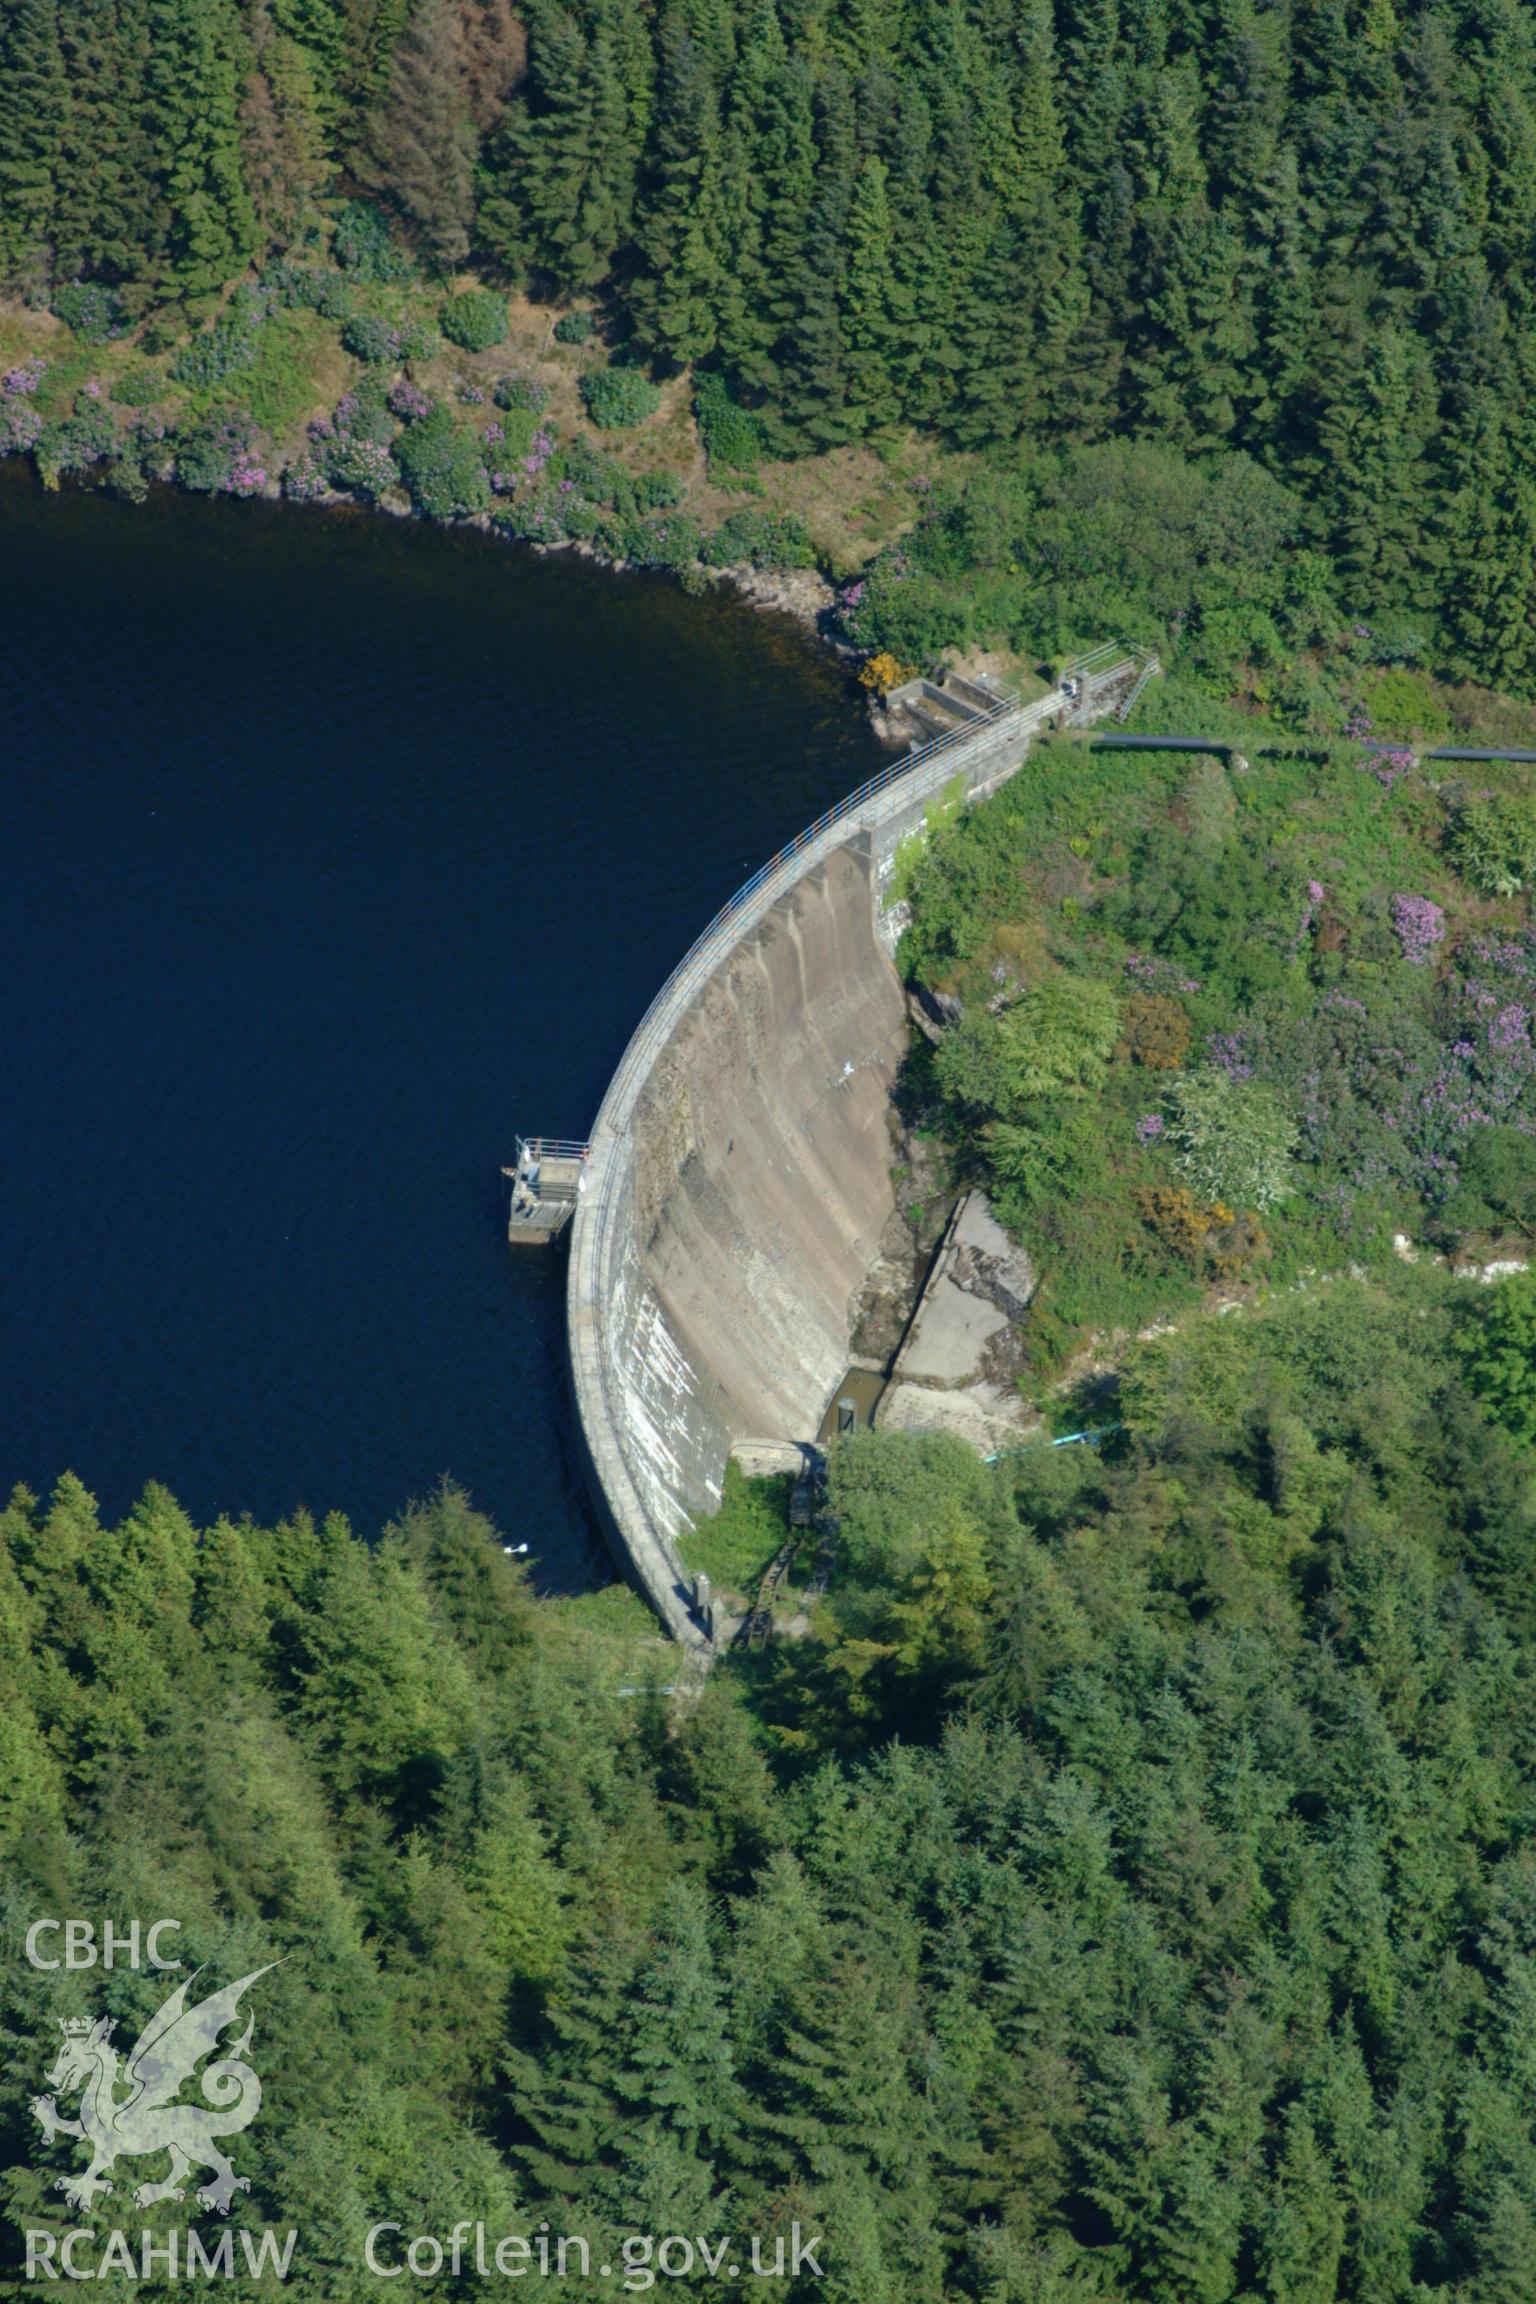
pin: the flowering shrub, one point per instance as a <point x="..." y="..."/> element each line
<point x="1389" y="768"/>
<point x="880" y="674"/>
<point x="247" y="475"/>
<point x="21" y="427"/>
<point x="1230" y="1052"/>
<point x="18" y="382"/>
<point x="1420" y="926"/>
<point x="348" y="449"/>
<point x="409" y="402"/>
<point x="1214" y="1241"/>
<point x="90" y="309"/>
<point x="516" y="391"/>
<point x="306" y="479"/>
<point x="369" y="338"/>
<point x="1362" y="1091"/>
<point x="534" y="514"/>
<point x="507" y="442"/>
<point x="208" y="453"/>
<point x="1155" y="974"/>
<point x="364" y="467"/>
<point x="1316" y="896"/>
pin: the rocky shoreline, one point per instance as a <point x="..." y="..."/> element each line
<point x="803" y="594"/>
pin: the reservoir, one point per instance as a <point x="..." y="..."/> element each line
<point x="334" y="852"/>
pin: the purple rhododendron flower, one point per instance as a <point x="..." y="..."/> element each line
<point x="1228" y="1051"/>
<point x="1420" y="926"/>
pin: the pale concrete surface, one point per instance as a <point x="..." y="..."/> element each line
<point x="984" y="1417"/>
<point x="738" y="1179"/>
<point x="949" y="1335"/>
<point x="981" y="1282"/>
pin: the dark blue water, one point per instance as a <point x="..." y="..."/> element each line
<point x="333" y="852"/>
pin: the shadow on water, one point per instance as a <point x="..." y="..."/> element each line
<point x="335" y="851"/>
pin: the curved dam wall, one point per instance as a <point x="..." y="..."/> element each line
<point x="738" y="1179"/>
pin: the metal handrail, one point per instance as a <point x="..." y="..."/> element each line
<point x="952" y="740"/>
<point x="921" y="755"/>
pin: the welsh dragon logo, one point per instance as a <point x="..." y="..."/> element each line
<point x="147" y="2119"/>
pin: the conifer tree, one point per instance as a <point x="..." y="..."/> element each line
<point x="876" y="314"/>
<point x="676" y="301"/>
<point x="775" y="123"/>
<point x="813" y="370"/>
<point x="34" y="103"/>
<point x="282" y="127"/>
<point x="198" y="62"/>
<point x="560" y="184"/>
<point x="425" y="143"/>
<point x="105" y="221"/>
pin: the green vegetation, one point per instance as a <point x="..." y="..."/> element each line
<point x="1123" y="1891"/>
<point x="745" y="1535"/>
<point x="1227" y="1026"/>
<point x="1224" y="322"/>
<point x="616" y="398"/>
<point x="1501" y="1355"/>
<point x="476" y="320"/>
<point x="731" y="436"/>
<point x="442" y="467"/>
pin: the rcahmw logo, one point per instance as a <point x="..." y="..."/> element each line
<point x="131" y="2109"/>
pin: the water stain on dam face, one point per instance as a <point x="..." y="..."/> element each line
<point x="715" y="1294"/>
<point x="764" y="1152"/>
<point x="335" y="851"/>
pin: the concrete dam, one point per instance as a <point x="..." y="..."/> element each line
<point x="738" y="1178"/>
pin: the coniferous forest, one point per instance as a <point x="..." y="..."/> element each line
<point x="1125" y="1893"/>
<point x="1120" y="1889"/>
<point x="1299" y="234"/>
